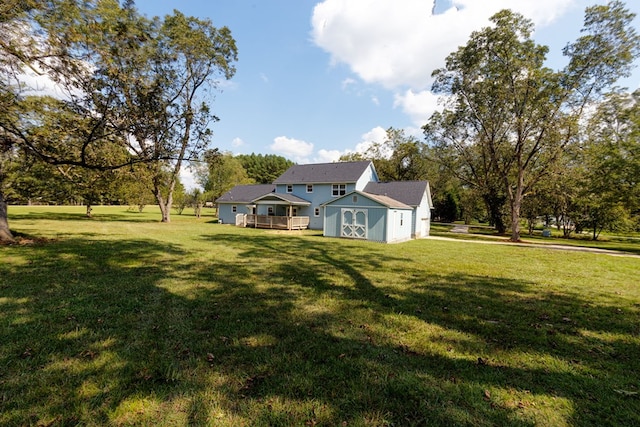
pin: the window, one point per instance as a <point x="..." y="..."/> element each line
<point x="316" y="212"/>
<point x="289" y="188"/>
<point x="234" y="208"/>
<point x="294" y="211"/>
<point x="355" y="199"/>
<point x="270" y="210"/>
<point x="338" y="189"/>
<point x="401" y="219"/>
<point x="309" y="188"/>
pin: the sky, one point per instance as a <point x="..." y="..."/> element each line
<point x="319" y="79"/>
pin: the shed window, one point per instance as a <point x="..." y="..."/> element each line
<point x="338" y="189"/>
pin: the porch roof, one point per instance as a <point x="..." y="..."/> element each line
<point x="281" y="199"/>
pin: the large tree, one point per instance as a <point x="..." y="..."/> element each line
<point x="220" y="172"/>
<point x="122" y="80"/>
<point x="264" y="168"/>
<point x="509" y="117"/>
<point x="164" y="87"/>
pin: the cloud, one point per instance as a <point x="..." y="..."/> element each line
<point x="399" y="44"/>
<point x="327" y="156"/>
<point x="375" y="135"/>
<point x="188" y="179"/>
<point x="237" y="142"/>
<point x="419" y="106"/>
<point x="295" y="149"/>
<point x="264" y="77"/>
<point x="346" y="83"/>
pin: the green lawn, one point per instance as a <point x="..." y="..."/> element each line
<point x="122" y="320"/>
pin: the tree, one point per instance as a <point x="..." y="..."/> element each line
<point x="220" y="172"/>
<point x="508" y="117"/>
<point x="399" y="157"/>
<point x="264" y="169"/>
<point x="125" y="81"/>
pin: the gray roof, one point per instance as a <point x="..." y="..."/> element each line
<point x="408" y="192"/>
<point x="246" y="193"/>
<point x="387" y="201"/>
<point x="323" y="173"/>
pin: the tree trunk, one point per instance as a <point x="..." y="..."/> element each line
<point x="5" y="233"/>
<point x="515" y="201"/>
<point x="164" y="211"/>
<point x="515" y="219"/>
<point x="89" y="209"/>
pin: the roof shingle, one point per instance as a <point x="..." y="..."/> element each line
<point x="408" y="192"/>
<point x="323" y="173"/>
<point x="246" y="193"/>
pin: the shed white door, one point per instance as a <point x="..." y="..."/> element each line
<point x="354" y="223"/>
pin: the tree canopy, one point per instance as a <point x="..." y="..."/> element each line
<point x="508" y="117"/>
<point x="128" y="89"/>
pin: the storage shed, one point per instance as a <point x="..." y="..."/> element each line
<point x="359" y="215"/>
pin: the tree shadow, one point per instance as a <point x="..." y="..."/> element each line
<point x="34" y="216"/>
<point x="291" y="331"/>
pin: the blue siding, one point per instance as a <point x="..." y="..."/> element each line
<point x="226" y="214"/>
<point x="383" y="224"/>
<point x="321" y="194"/>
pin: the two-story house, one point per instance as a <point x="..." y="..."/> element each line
<point x="343" y="199"/>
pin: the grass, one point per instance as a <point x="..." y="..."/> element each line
<point x="121" y="320"/>
<point x="614" y="242"/>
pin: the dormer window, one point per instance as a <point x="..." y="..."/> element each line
<point x="338" y="190"/>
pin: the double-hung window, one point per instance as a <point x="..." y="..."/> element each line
<point x="338" y="190"/>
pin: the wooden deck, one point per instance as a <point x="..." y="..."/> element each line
<point x="275" y="222"/>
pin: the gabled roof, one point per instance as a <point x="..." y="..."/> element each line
<point x="407" y="192"/>
<point x="383" y="200"/>
<point x="246" y="193"/>
<point x="324" y="173"/>
<point x="289" y="198"/>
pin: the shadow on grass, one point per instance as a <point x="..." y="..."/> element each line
<point x="294" y="331"/>
<point x="125" y="216"/>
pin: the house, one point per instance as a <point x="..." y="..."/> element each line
<point x="343" y="199"/>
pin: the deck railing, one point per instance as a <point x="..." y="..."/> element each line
<point x="277" y="222"/>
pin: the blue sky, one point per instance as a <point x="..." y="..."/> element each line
<point x="317" y="79"/>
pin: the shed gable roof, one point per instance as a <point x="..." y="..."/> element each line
<point x="383" y="200"/>
<point x="246" y="193"/>
<point x="408" y="192"/>
<point x="324" y="173"/>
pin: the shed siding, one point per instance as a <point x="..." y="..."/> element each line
<point x="400" y="225"/>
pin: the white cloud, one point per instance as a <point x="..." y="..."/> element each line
<point x="237" y="142"/>
<point x="346" y="83"/>
<point x="188" y="179"/>
<point x="399" y="44"/>
<point x="418" y="105"/>
<point x="327" y="156"/>
<point x="295" y="149"/>
<point x="375" y="135"/>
